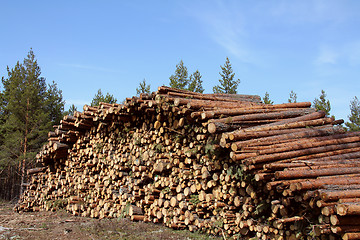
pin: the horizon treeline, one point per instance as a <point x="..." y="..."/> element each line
<point x="30" y="107"/>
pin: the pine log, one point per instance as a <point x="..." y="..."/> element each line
<point x="278" y="135"/>
<point x="345" y="220"/>
<point x="334" y="195"/>
<point x="348" y="209"/>
<point x="351" y="235"/>
<point x="320" y="182"/>
<point x="298" y="153"/>
<point x="36" y="170"/>
<point x="315" y="173"/>
<point x="221" y="127"/>
<point x="264" y="116"/>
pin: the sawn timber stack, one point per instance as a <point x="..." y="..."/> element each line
<point x="217" y="163"/>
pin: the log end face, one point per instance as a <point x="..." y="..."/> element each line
<point x="211" y="128"/>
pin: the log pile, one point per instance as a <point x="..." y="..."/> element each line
<point x="217" y="163"/>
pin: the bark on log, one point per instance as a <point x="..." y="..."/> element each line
<point x="315" y="173"/>
<point x="263" y="116"/>
<point x="348" y="209"/>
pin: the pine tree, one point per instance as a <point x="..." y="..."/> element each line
<point x="195" y="84"/>
<point x="292" y="97"/>
<point x="266" y="99"/>
<point x="99" y="97"/>
<point x="180" y="78"/>
<point x="28" y="111"/>
<point x="322" y="103"/>
<point x="143" y="88"/>
<point x="227" y="82"/>
<point x="54" y="103"/>
<point x="71" y="111"/>
<point x="354" y="117"/>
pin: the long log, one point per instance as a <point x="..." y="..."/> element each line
<point x="36" y="170"/>
<point x="254" y="109"/>
<point x="348" y="209"/>
<point x="302" y="152"/>
<point x="221" y="127"/>
<point x="351" y="236"/>
<point x="311" y="116"/>
<point x="308" y="144"/>
<point x="186" y="93"/>
<point x="344" y="220"/>
<point x="278" y="135"/>
<point x="239" y="111"/>
<point x="264" y="116"/>
<point x="320" y="182"/>
<point x="309" y="173"/>
<point x="334" y="195"/>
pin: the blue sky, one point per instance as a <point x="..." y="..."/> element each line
<point x="274" y="46"/>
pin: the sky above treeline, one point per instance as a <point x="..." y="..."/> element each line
<point x="273" y="46"/>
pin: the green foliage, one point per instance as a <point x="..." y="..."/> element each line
<point x="227" y="82"/>
<point x="266" y="99"/>
<point x="125" y="210"/>
<point x="261" y="207"/>
<point x="54" y="103"/>
<point x="237" y="172"/>
<point x="58" y="204"/>
<point x="180" y="78"/>
<point x="143" y="88"/>
<point x="354" y="117"/>
<point x="72" y="110"/>
<point x="219" y="223"/>
<point x="195" y="84"/>
<point x="99" y="147"/>
<point x="194" y="199"/>
<point x="158" y="148"/>
<point x="99" y="97"/>
<point x="292" y="97"/>
<point x="322" y="104"/>
<point x="29" y="107"/>
<point x="166" y="190"/>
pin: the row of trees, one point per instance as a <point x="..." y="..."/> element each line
<point x="228" y="84"/>
<point x="29" y="107"/>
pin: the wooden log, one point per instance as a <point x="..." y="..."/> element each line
<point x="254" y="109"/>
<point x="320" y="182"/>
<point x="334" y="195"/>
<point x="308" y="144"/>
<point x="342" y="159"/>
<point x="278" y="135"/>
<point x="58" y="146"/>
<point x="351" y="235"/>
<point x="218" y="127"/>
<point x="344" y="229"/>
<point x="263" y="116"/>
<point x="344" y="220"/>
<point x="348" y="209"/>
<point x="36" y="170"/>
<point x="314" y="173"/>
<point x="298" y="153"/>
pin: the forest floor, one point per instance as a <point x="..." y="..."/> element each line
<point x="62" y="225"/>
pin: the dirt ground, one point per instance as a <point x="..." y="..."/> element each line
<point x="62" y="225"/>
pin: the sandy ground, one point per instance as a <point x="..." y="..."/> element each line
<point x="62" y="225"/>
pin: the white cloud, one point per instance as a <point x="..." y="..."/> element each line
<point x="310" y="11"/>
<point x="224" y="24"/>
<point x="344" y="53"/>
<point x="326" y="55"/>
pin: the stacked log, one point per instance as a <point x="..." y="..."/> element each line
<point x="216" y="163"/>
